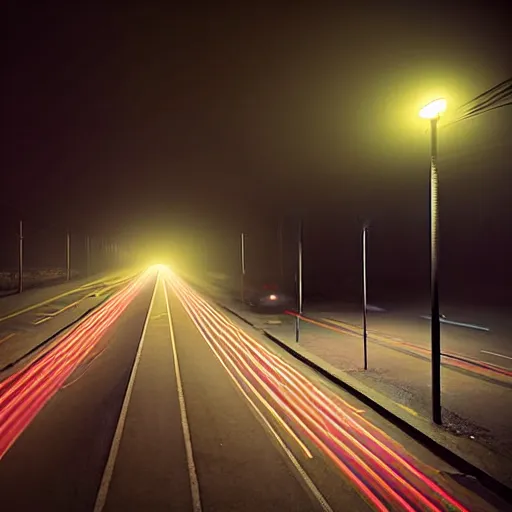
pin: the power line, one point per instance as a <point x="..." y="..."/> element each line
<point x="464" y="118"/>
<point x="492" y="90"/>
<point x="495" y="98"/>
<point x="493" y="102"/>
<point x="492" y="99"/>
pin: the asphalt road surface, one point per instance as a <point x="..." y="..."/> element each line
<point x="29" y="319"/>
<point x="161" y="403"/>
<point x="479" y="335"/>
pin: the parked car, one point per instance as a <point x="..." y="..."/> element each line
<point x="268" y="296"/>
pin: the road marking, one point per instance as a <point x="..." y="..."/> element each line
<point x="302" y="472"/>
<point x="48" y="301"/>
<point x="495" y="354"/>
<point x="194" y="483"/>
<point x="103" y="291"/>
<point x="408" y="409"/>
<point x="354" y="330"/>
<point x="270" y="409"/>
<point x="459" y="324"/>
<point x="8" y="337"/>
<point x="375" y="309"/>
<point x="49" y="316"/>
<point x="101" y="497"/>
<point x="330" y="327"/>
<point x="42" y="320"/>
<point x="65" y="308"/>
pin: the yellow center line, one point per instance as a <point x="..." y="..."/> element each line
<point x="42" y="320"/>
<point x="343" y="324"/>
<point x="357" y="330"/>
<point x="408" y="409"/>
<point x="326" y="326"/>
<point x="98" y="293"/>
<point x="8" y="337"/>
<point x="65" y="308"/>
<point x="50" y="300"/>
<point x="49" y="316"/>
<point x="39" y="304"/>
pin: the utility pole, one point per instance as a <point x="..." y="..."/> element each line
<point x="88" y="255"/>
<point x="20" y="259"/>
<point x="365" y="300"/>
<point x="300" y="301"/>
<point x="242" y="255"/>
<point x="281" y="250"/>
<point x="434" y="257"/>
<point x="68" y="256"/>
<point x="433" y="111"/>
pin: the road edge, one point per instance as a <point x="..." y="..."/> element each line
<point x="38" y="350"/>
<point x="444" y="453"/>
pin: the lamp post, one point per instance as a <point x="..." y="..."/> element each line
<point x="365" y="298"/>
<point x="300" y="298"/>
<point x="20" y="258"/>
<point x="68" y="256"/>
<point x="433" y="112"/>
<point x="242" y="275"/>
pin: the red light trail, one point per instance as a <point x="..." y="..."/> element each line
<point x="377" y="466"/>
<point x="448" y="358"/>
<point x="24" y="394"/>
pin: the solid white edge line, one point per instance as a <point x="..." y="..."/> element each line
<point x="101" y="497"/>
<point x="295" y="462"/>
<point x="495" y="354"/>
<point x="194" y="483"/>
<point x="459" y="324"/>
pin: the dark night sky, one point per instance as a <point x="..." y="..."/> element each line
<point x="150" y="119"/>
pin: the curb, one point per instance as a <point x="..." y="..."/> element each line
<point x="438" y="449"/>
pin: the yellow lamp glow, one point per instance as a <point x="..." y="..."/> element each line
<point x="433" y="109"/>
<point x="157" y="268"/>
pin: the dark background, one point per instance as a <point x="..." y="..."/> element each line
<point x="172" y="129"/>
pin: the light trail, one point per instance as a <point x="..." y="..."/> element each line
<point x="386" y="478"/>
<point x="448" y="358"/>
<point x="24" y="394"/>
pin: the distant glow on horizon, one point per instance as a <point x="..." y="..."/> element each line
<point x="158" y="267"/>
<point x="433" y="109"/>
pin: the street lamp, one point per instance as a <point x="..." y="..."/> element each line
<point x="433" y="112"/>
<point x="242" y="275"/>
<point x="300" y="298"/>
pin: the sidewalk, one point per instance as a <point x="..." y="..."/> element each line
<point x="477" y="408"/>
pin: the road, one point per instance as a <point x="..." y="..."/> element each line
<point x="162" y="402"/>
<point x="476" y="374"/>
<point x="481" y="335"/>
<point x="476" y="398"/>
<point x="28" y="320"/>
